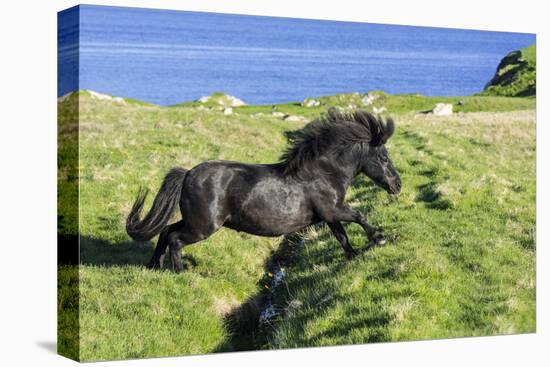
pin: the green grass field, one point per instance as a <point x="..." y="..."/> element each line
<point x="460" y="260"/>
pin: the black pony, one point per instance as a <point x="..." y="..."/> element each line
<point x="307" y="186"/>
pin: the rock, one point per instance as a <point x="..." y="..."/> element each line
<point x="106" y="97"/>
<point x="460" y="103"/>
<point x="100" y="96"/>
<point x="294" y="118"/>
<point x="234" y="101"/>
<point x="228" y="111"/>
<point x="310" y="102"/>
<point x="443" y="109"/>
<point x="378" y="110"/>
<point x="278" y="114"/>
<point x="368" y="99"/>
<point x="224" y="100"/>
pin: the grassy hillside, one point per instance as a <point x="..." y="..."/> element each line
<point x="460" y="260"/>
<point x="515" y="75"/>
<point x="402" y="103"/>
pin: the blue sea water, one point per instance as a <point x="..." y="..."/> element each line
<point x="167" y="57"/>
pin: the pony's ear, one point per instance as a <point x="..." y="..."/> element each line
<point x="388" y="130"/>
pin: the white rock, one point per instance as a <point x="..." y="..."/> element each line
<point x="224" y="100"/>
<point x="378" y="110"/>
<point x="234" y="101"/>
<point x="368" y="99"/>
<point x="443" y="109"/>
<point x="228" y="111"/>
<point x="278" y="114"/>
<point x="99" y="96"/>
<point x="105" y="97"/>
<point x="310" y="102"/>
<point x="294" y="118"/>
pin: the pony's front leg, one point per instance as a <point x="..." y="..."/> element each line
<point x="375" y="235"/>
<point x="340" y="233"/>
<point x="345" y="214"/>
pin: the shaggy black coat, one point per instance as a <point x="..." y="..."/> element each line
<point x="306" y="186"/>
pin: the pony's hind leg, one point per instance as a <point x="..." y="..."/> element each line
<point x="340" y="233"/>
<point x="182" y="237"/>
<point x="157" y="261"/>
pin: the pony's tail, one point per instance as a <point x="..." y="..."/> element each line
<point x="163" y="207"/>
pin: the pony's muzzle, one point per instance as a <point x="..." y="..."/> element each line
<point x="395" y="186"/>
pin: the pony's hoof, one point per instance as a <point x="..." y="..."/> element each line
<point x="378" y="239"/>
<point x="177" y="269"/>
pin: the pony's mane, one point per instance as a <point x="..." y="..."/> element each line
<point x="334" y="132"/>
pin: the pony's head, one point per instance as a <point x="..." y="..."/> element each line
<point x="358" y="135"/>
<point x="375" y="161"/>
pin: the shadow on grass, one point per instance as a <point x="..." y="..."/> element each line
<point x="243" y="323"/>
<point x="430" y="195"/>
<point x="101" y="252"/>
<point x="95" y="251"/>
<point x="418" y="141"/>
<point x="247" y="325"/>
<point x="376" y="323"/>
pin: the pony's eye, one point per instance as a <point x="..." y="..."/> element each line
<point x="384" y="159"/>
